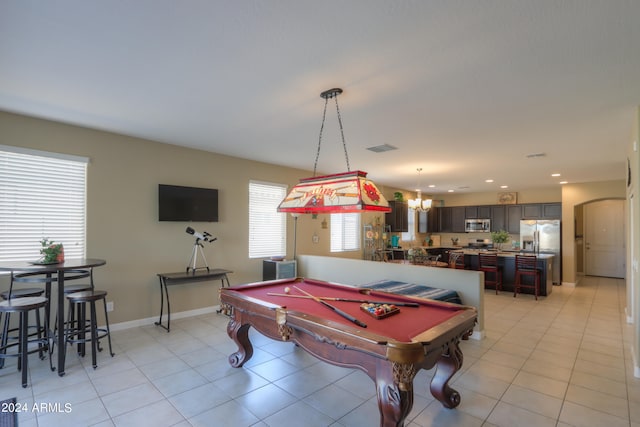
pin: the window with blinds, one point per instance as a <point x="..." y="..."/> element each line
<point x="42" y="195"/>
<point x="345" y="232"/>
<point x="267" y="226"/>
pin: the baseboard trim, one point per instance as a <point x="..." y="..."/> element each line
<point x="151" y="320"/>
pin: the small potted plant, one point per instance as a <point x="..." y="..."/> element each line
<point x="51" y="252"/>
<point x="398" y="197"/>
<point x="498" y="238"/>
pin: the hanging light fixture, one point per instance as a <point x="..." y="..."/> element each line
<point x="418" y="204"/>
<point x="345" y="192"/>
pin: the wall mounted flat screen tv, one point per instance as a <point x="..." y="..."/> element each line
<point x="176" y="203"/>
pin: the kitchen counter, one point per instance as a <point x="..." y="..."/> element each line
<point x="506" y="259"/>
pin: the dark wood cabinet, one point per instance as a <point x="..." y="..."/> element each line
<point x="457" y="219"/>
<point x="498" y="217"/>
<point x="503" y="217"/>
<point x="429" y="222"/>
<point x="552" y="211"/>
<point x="542" y="211"/>
<point x="531" y="211"/>
<point x="452" y="219"/>
<point x="397" y="219"/>
<point x="514" y="215"/>
<point x="445" y="219"/>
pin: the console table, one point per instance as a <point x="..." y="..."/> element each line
<point x="201" y="275"/>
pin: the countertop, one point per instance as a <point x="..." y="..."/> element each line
<point x="474" y="251"/>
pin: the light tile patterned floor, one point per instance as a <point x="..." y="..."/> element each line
<point x="561" y="361"/>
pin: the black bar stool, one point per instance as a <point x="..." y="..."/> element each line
<point x="488" y="262"/>
<point x="29" y="300"/>
<point x="527" y="266"/>
<point x="78" y="329"/>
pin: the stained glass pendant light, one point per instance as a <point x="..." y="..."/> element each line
<point x="345" y="192"/>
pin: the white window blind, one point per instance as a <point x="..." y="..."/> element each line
<point x="42" y="195"/>
<point x="345" y="232"/>
<point x="267" y="226"/>
<point x="410" y="235"/>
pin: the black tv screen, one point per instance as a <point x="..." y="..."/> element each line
<point x="176" y="203"/>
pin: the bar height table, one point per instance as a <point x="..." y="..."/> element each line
<point x="201" y="275"/>
<point x="60" y="269"/>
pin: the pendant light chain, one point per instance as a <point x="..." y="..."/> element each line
<point x="344" y="144"/>
<point x="333" y="93"/>
<point x="324" y="115"/>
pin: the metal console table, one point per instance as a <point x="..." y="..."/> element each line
<point x="200" y="275"/>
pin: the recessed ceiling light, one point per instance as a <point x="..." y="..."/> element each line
<point x="432" y="186"/>
<point x="488" y="180"/>
<point x="504" y="186"/>
<point x="450" y="191"/>
<point x="564" y="182"/>
<point x="555" y="174"/>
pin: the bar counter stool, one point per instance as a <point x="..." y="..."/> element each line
<point x="78" y="329"/>
<point x="488" y="262"/>
<point x="527" y="265"/>
<point x="23" y="301"/>
<point x="456" y="260"/>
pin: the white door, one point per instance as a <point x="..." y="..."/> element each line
<point x="604" y="238"/>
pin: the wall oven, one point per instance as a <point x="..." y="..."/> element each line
<point x="477" y="225"/>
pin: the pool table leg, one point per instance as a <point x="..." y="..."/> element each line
<point x="394" y="387"/>
<point x="239" y="333"/>
<point x="448" y="364"/>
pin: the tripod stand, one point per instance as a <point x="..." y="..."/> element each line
<point x="197" y="248"/>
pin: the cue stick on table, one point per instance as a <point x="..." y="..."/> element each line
<point x="400" y="304"/>
<point x="337" y="310"/>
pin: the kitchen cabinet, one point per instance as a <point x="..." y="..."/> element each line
<point x="397" y="219"/>
<point x="452" y="219"/>
<point x="429" y="222"/>
<point x="514" y="215"/>
<point x="542" y="211"/>
<point x="552" y="211"/>
<point x="498" y="217"/>
<point x="457" y="219"/>
<point x="477" y="212"/>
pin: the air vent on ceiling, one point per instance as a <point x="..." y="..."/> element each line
<point x="534" y="155"/>
<point x="382" y="148"/>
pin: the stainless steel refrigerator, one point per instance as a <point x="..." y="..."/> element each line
<point x="543" y="237"/>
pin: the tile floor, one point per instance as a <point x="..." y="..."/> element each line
<point x="561" y="361"/>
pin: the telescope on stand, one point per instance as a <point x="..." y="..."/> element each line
<point x="197" y="248"/>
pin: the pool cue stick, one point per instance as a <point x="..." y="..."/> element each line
<point x="336" y="309"/>
<point x="399" y="304"/>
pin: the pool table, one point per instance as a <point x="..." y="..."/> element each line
<point x="389" y="350"/>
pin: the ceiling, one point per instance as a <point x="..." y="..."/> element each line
<point x="465" y="90"/>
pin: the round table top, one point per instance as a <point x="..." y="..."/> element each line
<point x="68" y="264"/>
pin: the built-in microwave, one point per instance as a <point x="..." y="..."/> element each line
<point x="477" y="225"/>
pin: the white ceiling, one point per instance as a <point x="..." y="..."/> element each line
<point x="464" y="89"/>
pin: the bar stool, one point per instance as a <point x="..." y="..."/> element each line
<point x="488" y="262"/>
<point x="527" y="265"/>
<point x="37" y="329"/>
<point x="456" y="260"/>
<point x="27" y="302"/>
<point x="78" y="329"/>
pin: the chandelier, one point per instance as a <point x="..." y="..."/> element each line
<point x="418" y="204"/>
<point x="345" y="192"/>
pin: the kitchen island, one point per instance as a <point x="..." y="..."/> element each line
<point x="507" y="260"/>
